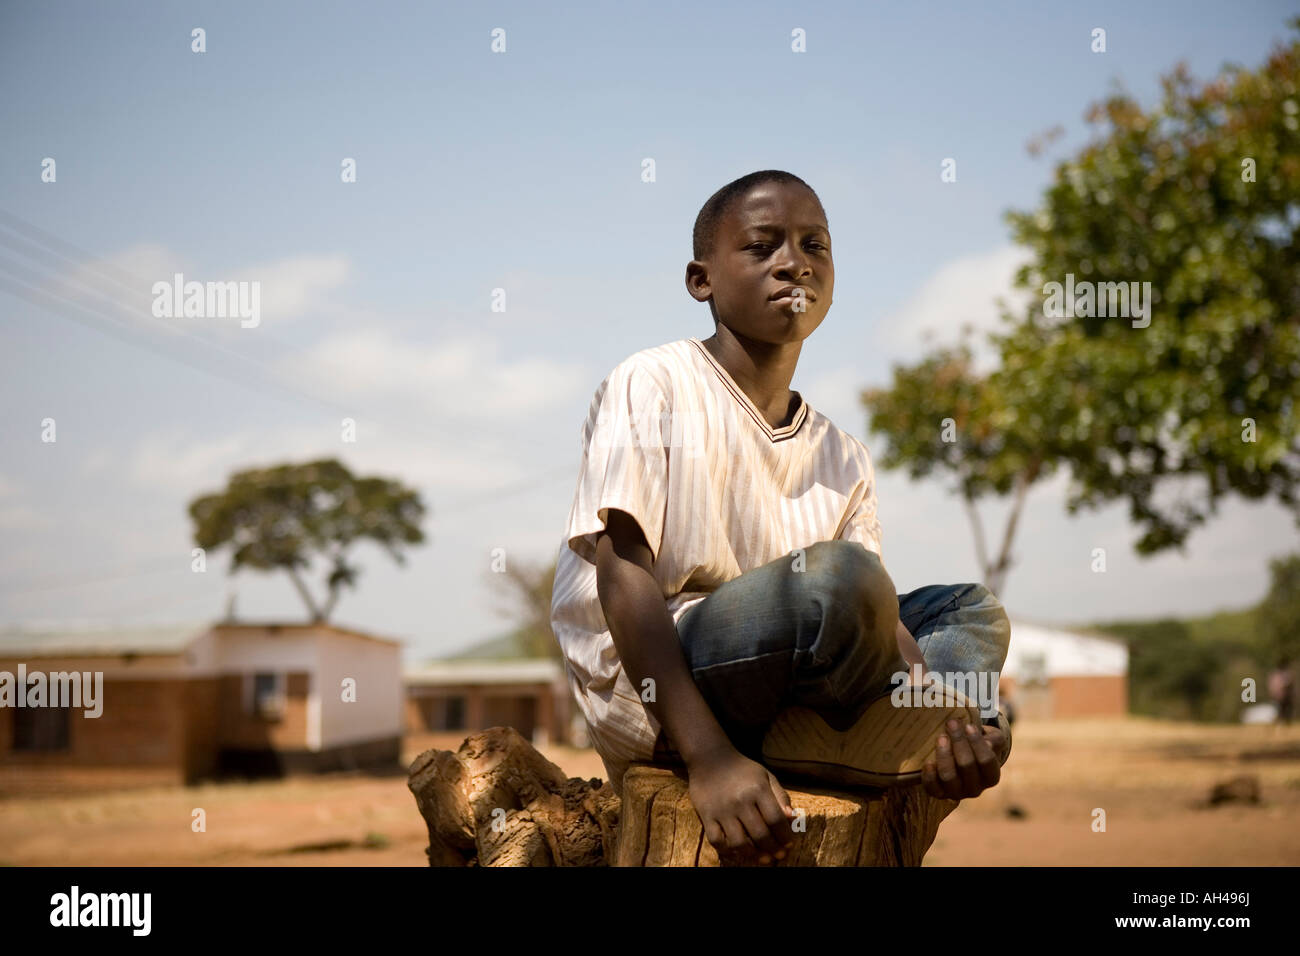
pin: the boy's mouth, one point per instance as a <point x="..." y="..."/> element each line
<point x="791" y="291"/>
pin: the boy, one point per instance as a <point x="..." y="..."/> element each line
<point x="719" y="595"/>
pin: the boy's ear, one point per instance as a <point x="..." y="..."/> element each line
<point x="697" y="282"/>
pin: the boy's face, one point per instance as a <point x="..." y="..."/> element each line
<point x="774" y="237"/>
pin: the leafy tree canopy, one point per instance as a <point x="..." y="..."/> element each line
<point x="279" y="517"/>
<point x="1200" y="197"/>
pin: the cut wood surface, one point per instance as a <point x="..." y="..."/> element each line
<point x="892" y="827"/>
<point x="496" y="801"/>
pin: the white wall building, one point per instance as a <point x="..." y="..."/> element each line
<point x="1053" y="671"/>
<point x="187" y="701"/>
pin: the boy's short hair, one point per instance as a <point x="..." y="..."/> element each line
<point x="711" y="213"/>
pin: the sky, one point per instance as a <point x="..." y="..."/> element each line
<point x="522" y="170"/>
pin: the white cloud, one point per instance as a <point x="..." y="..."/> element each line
<point x="290" y="287"/>
<point x="14" y="516"/>
<point x="118" y="284"/>
<point x="834" y="393"/>
<point x="173" y="462"/>
<point x="961" y="292"/>
<point x="465" y="378"/>
<point x="18" y="518"/>
<point x="168" y="459"/>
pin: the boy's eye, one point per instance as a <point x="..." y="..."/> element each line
<point x="763" y="245"/>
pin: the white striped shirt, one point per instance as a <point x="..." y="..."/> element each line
<point x="672" y="440"/>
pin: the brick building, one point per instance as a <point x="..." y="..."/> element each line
<point x="1056" y="672"/>
<point x="469" y="695"/>
<point x="187" y="702"/>
<point x="499" y="682"/>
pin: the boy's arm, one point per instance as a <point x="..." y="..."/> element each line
<point x="645" y="636"/>
<point x="738" y="800"/>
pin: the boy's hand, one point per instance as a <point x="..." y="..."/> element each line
<point x="966" y="763"/>
<point x="740" y="804"/>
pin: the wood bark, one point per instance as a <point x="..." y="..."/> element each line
<point x="497" y="802"/>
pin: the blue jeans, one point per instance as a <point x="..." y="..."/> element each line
<point x="819" y="632"/>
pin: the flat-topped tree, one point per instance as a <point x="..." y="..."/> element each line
<point x="281" y="517"/>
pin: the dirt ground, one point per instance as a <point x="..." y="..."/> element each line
<point x="1150" y="777"/>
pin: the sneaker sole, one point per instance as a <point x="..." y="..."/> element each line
<point x="887" y="746"/>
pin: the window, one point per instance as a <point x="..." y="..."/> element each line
<point x="455" y="713"/>
<point x="268" y="696"/>
<point x="1035" y="670"/>
<point x="38" y="729"/>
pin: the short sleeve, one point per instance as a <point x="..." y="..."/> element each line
<point x="863" y="525"/>
<point x="624" y="462"/>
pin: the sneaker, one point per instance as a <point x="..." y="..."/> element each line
<point x="886" y="747"/>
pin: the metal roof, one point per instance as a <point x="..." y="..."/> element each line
<point x="1063" y="651"/>
<point x="99" y="642"/>
<point x="445" y="672"/>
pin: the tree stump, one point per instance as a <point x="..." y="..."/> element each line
<point x="893" y="827"/>
<point x="497" y="802"/>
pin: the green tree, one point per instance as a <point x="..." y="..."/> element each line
<point x="279" y="517"/>
<point x="940" y="416"/>
<point x="1171" y="674"/>
<point x="1279" y="613"/>
<point x="1200" y="197"/>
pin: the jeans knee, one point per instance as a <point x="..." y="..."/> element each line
<point x="845" y="562"/>
<point x="980" y="599"/>
<point x="848" y="576"/>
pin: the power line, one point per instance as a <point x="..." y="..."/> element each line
<point x="54" y="253"/>
<point x="45" y="247"/>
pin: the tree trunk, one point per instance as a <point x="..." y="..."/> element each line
<point x="497" y="802"/>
